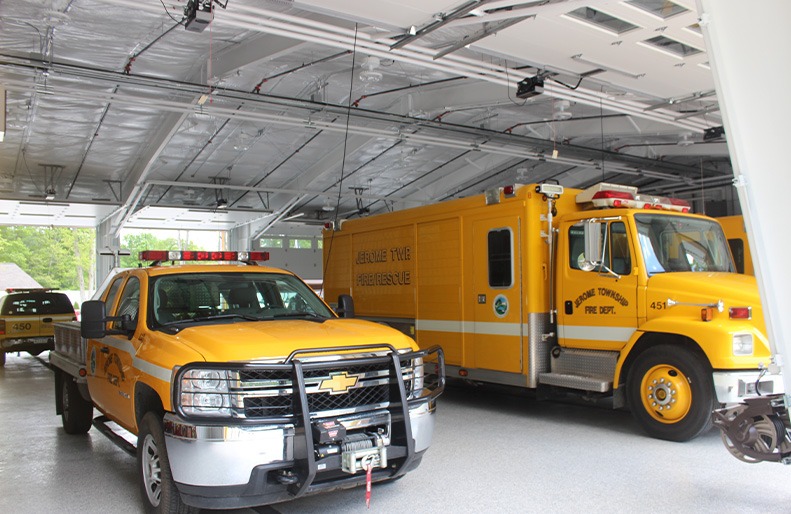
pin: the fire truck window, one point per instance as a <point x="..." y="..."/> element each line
<point x="576" y="245"/>
<point x="621" y="262"/>
<point x="737" y="249"/>
<point x="500" y="252"/>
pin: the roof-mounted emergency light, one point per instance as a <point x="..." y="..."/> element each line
<point x="190" y="255"/>
<point x="615" y="195"/>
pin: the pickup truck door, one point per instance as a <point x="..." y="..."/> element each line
<point x="110" y="358"/>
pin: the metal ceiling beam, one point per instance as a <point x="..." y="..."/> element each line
<point x="478" y="35"/>
<point x="447" y="134"/>
<point x="441" y="21"/>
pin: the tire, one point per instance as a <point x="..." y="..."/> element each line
<point x="157" y="487"/>
<point x="2" y="358"/>
<point x="671" y="393"/>
<point x="76" y="413"/>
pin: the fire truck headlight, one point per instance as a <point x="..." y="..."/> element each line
<point x="742" y="344"/>
<point x="204" y="392"/>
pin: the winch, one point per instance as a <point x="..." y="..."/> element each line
<point x="756" y="430"/>
<point x="364" y="451"/>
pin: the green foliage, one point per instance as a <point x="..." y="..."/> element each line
<point x="136" y="243"/>
<point x="53" y="256"/>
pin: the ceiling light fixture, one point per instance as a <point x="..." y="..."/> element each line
<point x="50" y="194"/>
<point x="222" y="203"/>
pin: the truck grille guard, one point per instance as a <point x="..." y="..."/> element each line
<point x="307" y="391"/>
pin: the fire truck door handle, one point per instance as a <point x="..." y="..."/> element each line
<point x="105" y="349"/>
<point x="568" y="307"/>
<point x="47" y="320"/>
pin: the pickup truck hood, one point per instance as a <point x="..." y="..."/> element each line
<point x="276" y="339"/>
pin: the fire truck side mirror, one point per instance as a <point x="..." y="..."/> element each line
<point x="593" y="246"/>
<point x="345" y="306"/>
<point x="92" y="324"/>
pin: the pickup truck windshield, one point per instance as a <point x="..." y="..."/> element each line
<point x="225" y="297"/>
<point x="676" y="243"/>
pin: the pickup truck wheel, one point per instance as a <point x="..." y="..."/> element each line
<point x="76" y="413"/>
<point x="156" y="481"/>
<point x="670" y="393"/>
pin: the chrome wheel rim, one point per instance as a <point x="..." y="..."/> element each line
<point x="152" y="471"/>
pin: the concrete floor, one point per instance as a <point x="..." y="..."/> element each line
<point x="492" y="453"/>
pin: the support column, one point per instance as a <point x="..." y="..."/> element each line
<point x="239" y="239"/>
<point x="748" y="46"/>
<point x="106" y="239"/>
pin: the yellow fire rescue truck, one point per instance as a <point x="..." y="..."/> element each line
<point x="604" y="292"/>
<point x="241" y="386"/>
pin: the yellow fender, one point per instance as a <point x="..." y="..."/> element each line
<point x="714" y="338"/>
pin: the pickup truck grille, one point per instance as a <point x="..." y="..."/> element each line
<point x="260" y="391"/>
<point x="265" y="393"/>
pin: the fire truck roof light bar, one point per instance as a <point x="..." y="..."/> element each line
<point x="615" y="195"/>
<point x="190" y="255"/>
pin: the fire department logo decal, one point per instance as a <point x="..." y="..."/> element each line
<point x="338" y="383"/>
<point x="500" y="305"/>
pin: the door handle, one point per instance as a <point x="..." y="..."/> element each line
<point x="46" y="320"/>
<point x="568" y="307"/>
<point x="105" y="349"/>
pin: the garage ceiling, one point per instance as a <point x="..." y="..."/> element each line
<point x="301" y="111"/>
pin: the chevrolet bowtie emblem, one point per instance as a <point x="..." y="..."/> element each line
<point x="338" y="383"/>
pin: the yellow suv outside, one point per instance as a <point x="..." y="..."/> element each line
<point x="27" y="317"/>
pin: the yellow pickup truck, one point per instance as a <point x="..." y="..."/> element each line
<point x="241" y="385"/>
<point x="27" y="317"/>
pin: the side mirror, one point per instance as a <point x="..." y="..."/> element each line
<point x="593" y="246"/>
<point x="92" y="325"/>
<point x="345" y="306"/>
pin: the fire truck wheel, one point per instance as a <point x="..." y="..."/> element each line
<point x="156" y="482"/>
<point x="670" y="393"/>
<point x="76" y="413"/>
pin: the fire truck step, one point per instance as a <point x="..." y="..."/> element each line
<point x="575" y="382"/>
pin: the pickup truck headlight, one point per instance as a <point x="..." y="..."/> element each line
<point x="418" y="374"/>
<point x="204" y="392"/>
<point x="742" y="344"/>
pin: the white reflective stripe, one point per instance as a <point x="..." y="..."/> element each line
<point x="492" y="328"/>
<point x="622" y="334"/>
<point x="155" y="371"/>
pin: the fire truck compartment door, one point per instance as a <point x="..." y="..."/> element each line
<point x="497" y="330"/>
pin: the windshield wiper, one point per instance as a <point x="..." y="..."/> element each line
<point x="301" y="315"/>
<point x="213" y="317"/>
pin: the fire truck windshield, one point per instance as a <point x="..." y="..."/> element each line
<point x="678" y="243"/>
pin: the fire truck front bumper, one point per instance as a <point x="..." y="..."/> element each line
<point x="238" y="466"/>
<point x="734" y="386"/>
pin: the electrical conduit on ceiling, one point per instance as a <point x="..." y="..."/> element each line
<point x="325" y="34"/>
